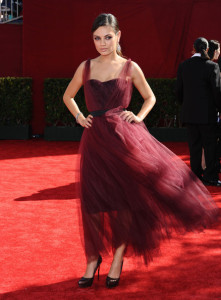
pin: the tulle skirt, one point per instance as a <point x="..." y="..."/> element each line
<point x="134" y="190"/>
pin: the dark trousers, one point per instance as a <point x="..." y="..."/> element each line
<point x="203" y="136"/>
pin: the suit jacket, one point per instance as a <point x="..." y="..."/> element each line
<point x="219" y="62"/>
<point x="199" y="90"/>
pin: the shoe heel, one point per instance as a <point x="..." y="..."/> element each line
<point x="87" y="282"/>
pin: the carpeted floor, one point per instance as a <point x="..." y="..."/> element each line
<point x="41" y="253"/>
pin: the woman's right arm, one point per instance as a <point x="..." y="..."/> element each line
<point x="71" y="91"/>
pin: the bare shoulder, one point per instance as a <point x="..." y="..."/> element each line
<point x="76" y="82"/>
<point x="79" y="72"/>
<point x="81" y="66"/>
<point x="135" y="66"/>
<point x="135" y="70"/>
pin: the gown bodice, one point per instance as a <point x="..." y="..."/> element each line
<point x="113" y="93"/>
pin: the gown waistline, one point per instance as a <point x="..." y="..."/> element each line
<point x="97" y="113"/>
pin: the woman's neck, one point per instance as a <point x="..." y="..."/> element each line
<point x="108" y="58"/>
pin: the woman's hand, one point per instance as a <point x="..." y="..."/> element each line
<point x="130" y="117"/>
<point x="85" y="122"/>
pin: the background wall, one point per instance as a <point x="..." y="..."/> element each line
<point x="11" y="50"/>
<point x="157" y="34"/>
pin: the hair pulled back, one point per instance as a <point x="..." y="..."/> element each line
<point x="107" y="20"/>
<point x="213" y="46"/>
<point x="201" y="45"/>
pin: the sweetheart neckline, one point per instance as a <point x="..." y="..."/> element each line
<point x="93" y="79"/>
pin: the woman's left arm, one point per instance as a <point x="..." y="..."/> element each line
<point x="143" y="87"/>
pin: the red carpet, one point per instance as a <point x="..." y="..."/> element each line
<point x="41" y="253"/>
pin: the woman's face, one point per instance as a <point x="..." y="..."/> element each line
<point x="216" y="54"/>
<point x="105" y="40"/>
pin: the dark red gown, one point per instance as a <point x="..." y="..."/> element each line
<point x="133" y="189"/>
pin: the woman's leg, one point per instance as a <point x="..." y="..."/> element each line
<point x="91" y="265"/>
<point x="117" y="262"/>
<point x="122" y="221"/>
<point x="92" y="228"/>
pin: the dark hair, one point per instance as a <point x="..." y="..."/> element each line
<point x="201" y="45"/>
<point x="107" y="20"/>
<point x="213" y="46"/>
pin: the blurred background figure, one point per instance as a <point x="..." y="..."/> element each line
<point x="214" y="53"/>
<point x="199" y="92"/>
<point x="214" y="50"/>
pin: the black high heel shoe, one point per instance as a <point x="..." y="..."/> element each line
<point x="86" y="282"/>
<point x="113" y="282"/>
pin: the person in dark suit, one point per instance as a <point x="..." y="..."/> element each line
<point x="199" y="91"/>
<point x="214" y="52"/>
<point x="219" y="125"/>
<point x="219" y="62"/>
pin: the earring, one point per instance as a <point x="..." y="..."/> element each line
<point x="118" y="47"/>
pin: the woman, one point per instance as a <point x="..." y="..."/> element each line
<point x="214" y="50"/>
<point x="132" y="188"/>
<point x="213" y="53"/>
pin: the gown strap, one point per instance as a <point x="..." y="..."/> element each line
<point x="126" y="71"/>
